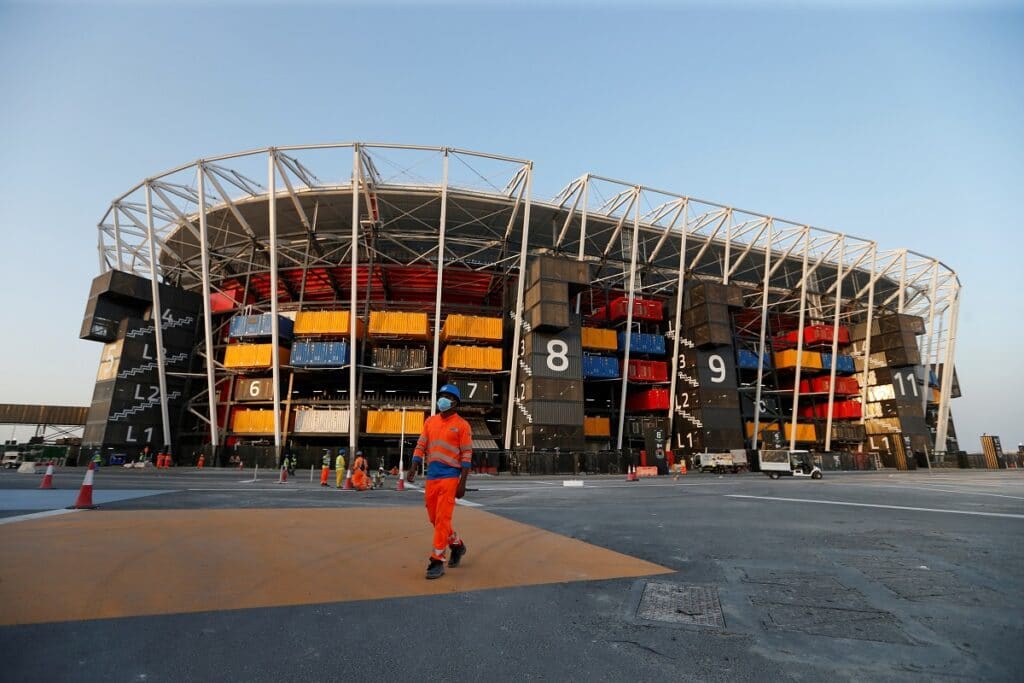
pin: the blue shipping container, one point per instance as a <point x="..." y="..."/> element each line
<point x="748" y="360"/>
<point x="250" y="326"/>
<point x="843" y="363"/>
<point x="600" y="367"/>
<point x="312" y="354"/>
<point x="643" y="343"/>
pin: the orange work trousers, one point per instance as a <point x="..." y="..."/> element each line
<point x="440" y="498"/>
<point x="360" y="481"/>
<point x="324" y="471"/>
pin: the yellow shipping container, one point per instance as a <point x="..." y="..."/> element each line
<point x="395" y="324"/>
<point x="471" y="327"/>
<point x="253" y="356"/>
<point x="254" y="422"/>
<point x="325" y="322"/>
<point x="390" y="422"/>
<point x="804" y="432"/>
<point x="597" y="426"/>
<point x="811" y="360"/>
<point x="601" y="340"/>
<point x="471" y="358"/>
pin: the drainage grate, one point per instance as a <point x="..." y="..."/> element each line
<point x="674" y="603"/>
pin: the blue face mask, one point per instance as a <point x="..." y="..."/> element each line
<point x="444" y="403"/>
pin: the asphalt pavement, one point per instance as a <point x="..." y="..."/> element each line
<point x="861" y="576"/>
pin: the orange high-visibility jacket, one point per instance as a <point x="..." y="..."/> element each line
<point x="447" y="445"/>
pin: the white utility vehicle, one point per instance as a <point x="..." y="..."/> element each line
<point x="781" y="463"/>
<point x="13" y="459"/>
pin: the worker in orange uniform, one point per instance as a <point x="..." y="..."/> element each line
<point x="360" y="479"/>
<point x="447" y="445"/>
<point x="325" y="467"/>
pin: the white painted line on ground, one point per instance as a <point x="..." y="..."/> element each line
<point x="874" y="505"/>
<point x="934" y="487"/>
<point x="280" y="490"/>
<point x="467" y="503"/>
<point x="35" y="515"/>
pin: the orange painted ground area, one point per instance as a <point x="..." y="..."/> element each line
<point x="96" y="565"/>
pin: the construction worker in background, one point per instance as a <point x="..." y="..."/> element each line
<point x="446" y="444"/>
<point x="360" y="478"/>
<point x="325" y="467"/>
<point x="293" y="462"/>
<point x="339" y="468"/>
<point x="97" y="459"/>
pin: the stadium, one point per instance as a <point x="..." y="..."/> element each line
<point x="315" y="297"/>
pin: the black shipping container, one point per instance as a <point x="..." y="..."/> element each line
<point x="710" y="292"/>
<point x="900" y="323"/>
<point x="546" y="291"/>
<point x="705" y="314"/>
<point x="713" y="334"/>
<point x="549" y="437"/>
<point x="555" y="412"/>
<point x="548" y="315"/>
<point x="542" y="389"/>
<point x="474" y="391"/>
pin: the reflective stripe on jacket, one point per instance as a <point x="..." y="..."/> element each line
<point x="447" y="445"/>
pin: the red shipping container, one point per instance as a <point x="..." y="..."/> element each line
<point x="648" y="371"/>
<point x="841" y="410"/>
<point x="643" y="309"/>
<point x="650" y="399"/>
<point x="845" y="386"/>
<point x="822" y="334"/>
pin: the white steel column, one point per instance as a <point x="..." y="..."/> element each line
<point x="629" y="312"/>
<point x="524" y="246"/>
<point x="764" y="331"/>
<point x="211" y="381"/>
<point x="275" y="332"/>
<point x="440" y="280"/>
<point x="583" y="217"/>
<point x="926" y="388"/>
<point x="867" y="337"/>
<point x="728" y="246"/>
<point x="947" y="367"/>
<point x="800" y="341"/>
<point x="835" y="343"/>
<point x="117" y="238"/>
<point x="157" y="318"/>
<point x="903" y="282"/>
<point x="680" y="284"/>
<point x="353" y="418"/>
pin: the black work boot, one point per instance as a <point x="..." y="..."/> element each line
<point x="457" y="551"/>
<point x="435" y="570"/>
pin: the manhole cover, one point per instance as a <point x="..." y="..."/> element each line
<point x="677" y="604"/>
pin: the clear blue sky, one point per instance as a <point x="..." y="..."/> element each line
<point x="893" y="122"/>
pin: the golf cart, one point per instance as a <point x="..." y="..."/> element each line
<point x="788" y="463"/>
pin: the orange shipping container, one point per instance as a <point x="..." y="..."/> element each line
<point x="471" y="358"/>
<point x="471" y="327"/>
<point x="600" y="340"/>
<point x="390" y="422"/>
<point x="395" y="324"/>
<point x="810" y="360"/>
<point x="804" y="432"/>
<point x="254" y="422"/>
<point x="253" y="356"/>
<point x="597" y="426"/>
<point x="325" y="322"/>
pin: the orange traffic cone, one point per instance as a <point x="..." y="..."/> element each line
<point x="283" y="478"/>
<point x="401" y="482"/>
<point x="348" y="480"/>
<point x="630" y="474"/>
<point x="48" y="477"/>
<point x="202" y="461"/>
<point x="84" y="501"/>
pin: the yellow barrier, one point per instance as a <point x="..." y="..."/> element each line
<point x="811" y="360"/>
<point x="253" y="356"/>
<point x="395" y="324"/>
<point x="390" y="422"/>
<point x="471" y="327"/>
<point x="325" y="322"/>
<point x="600" y="340"/>
<point x="597" y="426"/>
<point x="471" y="358"/>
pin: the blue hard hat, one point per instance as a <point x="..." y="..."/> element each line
<point x="452" y="390"/>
